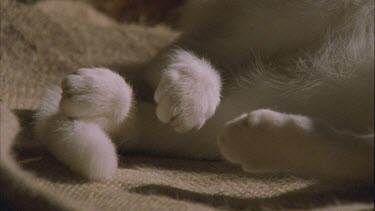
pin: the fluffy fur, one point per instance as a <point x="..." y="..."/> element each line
<point x="272" y="86"/>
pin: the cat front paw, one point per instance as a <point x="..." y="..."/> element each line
<point x="96" y="93"/>
<point x="188" y="92"/>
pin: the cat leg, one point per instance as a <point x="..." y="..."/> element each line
<point x="187" y="91"/>
<point x="265" y="140"/>
<point x="83" y="146"/>
<point x="74" y="123"/>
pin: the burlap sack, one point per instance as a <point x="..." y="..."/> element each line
<point x="40" y="44"/>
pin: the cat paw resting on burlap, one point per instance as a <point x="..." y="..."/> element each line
<point x="271" y="91"/>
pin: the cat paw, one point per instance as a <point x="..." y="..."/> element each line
<point x="188" y="92"/>
<point x="97" y="158"/>
<point x="95" y="93"/>
<point x="264" y="140"/>
<point x="82" y="146"/>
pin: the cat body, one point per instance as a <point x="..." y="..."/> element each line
<point x="269" y="85"/>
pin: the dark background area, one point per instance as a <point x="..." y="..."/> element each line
<point x="147" y="12"/>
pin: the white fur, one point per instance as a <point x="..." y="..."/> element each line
<point x="254" y="140"/>
<point x="188" y="92"/>
<point x="265" y="140"/>
<point x="96" y="94"/>
<point x="93" y="103"/>
<point x="311" y="63"/>
<point x="83" y="146"/>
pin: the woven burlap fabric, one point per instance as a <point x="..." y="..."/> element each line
<point x="40" y="44"/>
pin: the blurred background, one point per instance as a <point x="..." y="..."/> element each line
<point x="146" y="12"/>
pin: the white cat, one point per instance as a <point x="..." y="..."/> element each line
<point x="270" y="85"/>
